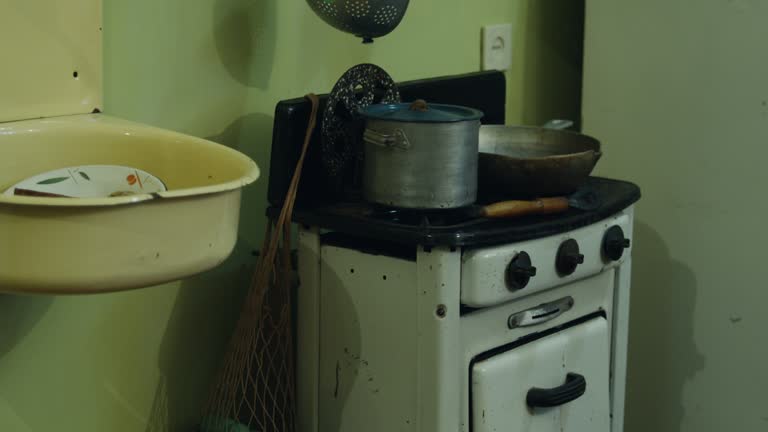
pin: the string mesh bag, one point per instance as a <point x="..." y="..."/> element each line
<point x="254" y="391"/>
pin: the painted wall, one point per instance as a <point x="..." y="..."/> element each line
<point x="678" y="93"/>
<point x="143" y="360"/>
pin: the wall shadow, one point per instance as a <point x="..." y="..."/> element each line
<point x="553" y="61"/>
<point x="18" y="316"/>
<point x="251" y="135"/>
<point x="208" y="305"/>
<point x="663" y="355"/>
<point x="245" y="32"/>
<point x="199" y="329"/>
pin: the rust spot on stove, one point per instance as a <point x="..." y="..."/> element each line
<point x="441" y="311"/>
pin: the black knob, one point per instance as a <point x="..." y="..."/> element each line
<point x="568" y="257"/>
<point x="614" y="243"/>
<point x="520" y="271"/>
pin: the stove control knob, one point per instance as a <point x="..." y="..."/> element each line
<point x="614" y="243"/>
<point x="568" y="257"/>
<point x="520" y="271"/>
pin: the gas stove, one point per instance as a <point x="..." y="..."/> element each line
<point x="454" y="227"/>
<point x="439" y="321"/>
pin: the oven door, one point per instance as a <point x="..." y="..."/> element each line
<point x="556" y="383"/>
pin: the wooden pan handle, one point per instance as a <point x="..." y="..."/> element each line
<point x="522" y="208"/>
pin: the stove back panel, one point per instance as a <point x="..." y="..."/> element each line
<point x="485" y="91"/>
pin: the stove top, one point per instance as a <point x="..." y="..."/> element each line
<point x="455" y="227"/>
<point x="333" y="204"/>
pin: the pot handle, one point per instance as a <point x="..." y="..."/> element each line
<point x="557" y="124"/>
<point x="398" y="139"/>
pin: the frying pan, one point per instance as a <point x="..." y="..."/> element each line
<point x="533" y="162"/>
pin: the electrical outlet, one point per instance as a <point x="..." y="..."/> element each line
<point x="497" y="47"/>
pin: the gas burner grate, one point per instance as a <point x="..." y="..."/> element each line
<point x="458" y="227"/>
<point x="423" y="219"/>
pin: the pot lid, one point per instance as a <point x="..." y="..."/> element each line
<point x="421" y="112"/>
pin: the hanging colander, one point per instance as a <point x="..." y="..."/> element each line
<point x="367" y="19"/>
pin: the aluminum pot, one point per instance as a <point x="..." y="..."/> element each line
<point x="421" y="156"/>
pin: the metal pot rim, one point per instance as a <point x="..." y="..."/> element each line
<point x="450" y="113"/>
<point x="594" y="153"/>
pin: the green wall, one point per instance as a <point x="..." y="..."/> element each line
<point x="677" y="92"/>
<point x="143" y="360"/>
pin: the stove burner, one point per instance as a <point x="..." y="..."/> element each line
<point x="462" y="226"/>
<point x="423" y="218"/>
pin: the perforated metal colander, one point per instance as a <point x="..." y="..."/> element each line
<point x="367" y="19"/>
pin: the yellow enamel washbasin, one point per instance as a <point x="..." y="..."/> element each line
<point x="91" y="245"/>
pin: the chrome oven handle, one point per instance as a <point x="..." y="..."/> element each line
<point x="540" y="314"/>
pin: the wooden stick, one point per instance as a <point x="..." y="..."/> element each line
<point x="541" y="206"/>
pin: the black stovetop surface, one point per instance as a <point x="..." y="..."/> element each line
<point x="453" y="228"/>
<point x="323" y="202"/>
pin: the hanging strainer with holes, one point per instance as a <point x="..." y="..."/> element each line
<point x="367" y="19"/>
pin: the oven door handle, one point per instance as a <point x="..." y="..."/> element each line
<point x="540" y="314"/>
<point x="575" y="386"/>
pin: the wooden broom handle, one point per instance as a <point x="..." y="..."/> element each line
<point x="522" y="208"/>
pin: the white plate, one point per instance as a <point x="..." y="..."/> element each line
<point x="89" y="181"/>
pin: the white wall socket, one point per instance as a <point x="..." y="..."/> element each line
<point x="497" y="47"/>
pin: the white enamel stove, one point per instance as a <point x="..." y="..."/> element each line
<point x="528" y="336"/>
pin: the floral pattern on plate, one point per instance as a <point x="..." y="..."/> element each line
<point x="89" y="181"/>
